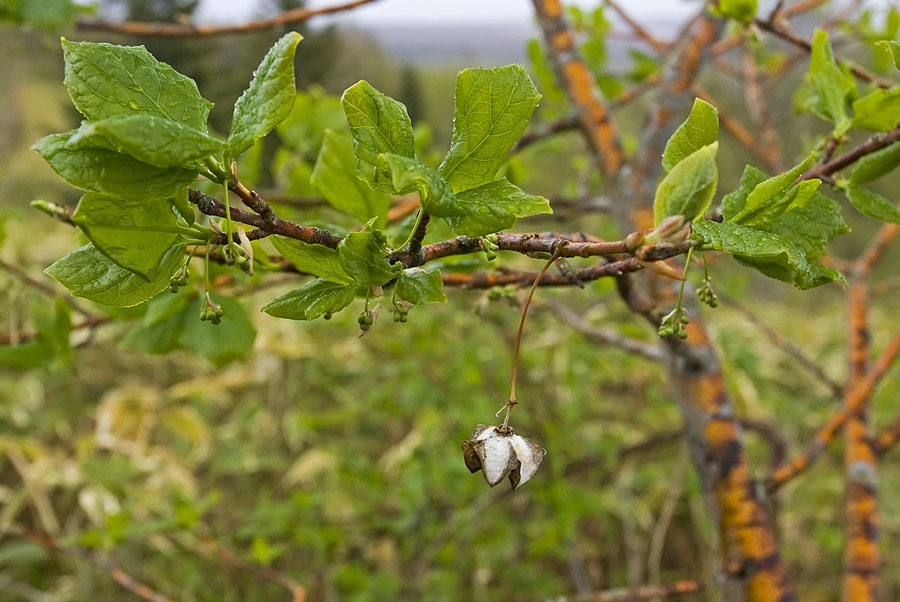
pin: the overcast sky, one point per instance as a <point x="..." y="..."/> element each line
<point x="445" y="11"/>
<point x="460" y="11"/>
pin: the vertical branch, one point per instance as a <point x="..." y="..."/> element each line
<point x="714" y="437"/>
<point x="861" y="555"/>
<point x="578" y="82"/>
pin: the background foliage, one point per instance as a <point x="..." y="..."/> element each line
<point x="334" y="460"/>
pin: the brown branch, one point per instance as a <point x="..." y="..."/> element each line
<point x="563" y="124"/>
<point x="782" y="32"/>
<point x="212" y="206"/>
<point x="91" y="322"/>
<point x="638" y="29"/>
<point x="118" y="575"/>
<point x="854" y="399"/>
<point x="876" y="249"/>
<point x="606" y="336"/>
<point x="759" y="109"/>
<point x="281" y="20"/>
<point x="637" y="594"/>
<point x="579" y="85"/>
<point x="738" y="131"/>
<point x="867" y="147"/>
<point x="887" y="438"/>
<point x="522" y="279"/>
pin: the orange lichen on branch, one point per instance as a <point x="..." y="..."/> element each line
<point x="745" y="527"/>
<point x="861" y="556"/>
<point x="579" y="84"/>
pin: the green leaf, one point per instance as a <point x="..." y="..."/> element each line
<point x="832" y="86"/>
<point x="106" y="80"/>
<point x="689" y="188"/>
<point x="871" y="167"/>
<point x="173" y="322"/>
<point x="362" y="258"/>
<point x="269" y="99"/>
<point x="48" y="14"/>
<point x="221" y="343"/>
<point x="380" y="125"/>
<point x="434" y="192"/>
<point x="739" y="10"/>
<point x="700" y="129"/>
<point x="773" y="255"/>
<point x="877" y="111"/>
<point x="493" y="207"/>
<point x="892" y="47"/>
<point x="811" y="224"/>
<point x="313" y="299"/>
<point x="134" y="234"/>
<point x="872" y="204"/>
<point x="770" y="198"/>
<point x="110" y="172"/>
<point x="88" y="273"/>
<point x="161" y="328"/>
<point x="151" y="139"/>
<point x="317" y="260"/>
<point x="734" y="201"/>
<point x="50" y="344"/>
<point x="335" y="178"/>
<point x="183" y="205"/>
<point x="493" y="107"/>
<point x="419" y="287"/>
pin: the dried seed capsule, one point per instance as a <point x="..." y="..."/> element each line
<point x="500" y="454"/>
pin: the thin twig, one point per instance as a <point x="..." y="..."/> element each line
<point x="281" y="20"/>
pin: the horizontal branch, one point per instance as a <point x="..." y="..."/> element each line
<point x="867" y="147"/>
<point x="787" y="35"/>
<point x="506" y="278"/>
<point x="636" y="594"/>
<point x="174" y="30"/>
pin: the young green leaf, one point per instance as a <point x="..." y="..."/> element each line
<point x="313" y="299"/>
<point x="739" y="10"/>
<point x="832" y="86"/>
<point x="877" y="111"/>
<point x="700" y="129"/>
<point x="380" y="125"/>
<point x="772" y="197"/>
<point x="434" y="192"/>
<point x="734" y="201"/>
<point x="689" y="188"/>
<point x="88" y="273"/>
<point x="871" y="167"/>
<point x="269" y="99"/>
<point x="493" y="107"/>
<point x="173" y="322"/>
<point x="110" y="172"/>
<point x="335" y="178"/>
<point x="892" y="47"/>
<point x="222" y="343"/>
<point x="493" y="207"/>
<point x="134" y="234"/>
<point x="419" y="287"/>
<point x="361" y="257"/>
<point x="106" y="80"/>
<point x="872" y="204"/>
<point x="317" y="260"/>
<point x="773" y="255"/>
<point x="151" y="139"/>
<point x="811" y="224"/>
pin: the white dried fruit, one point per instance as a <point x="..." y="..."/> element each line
<point x="500" y="453"/>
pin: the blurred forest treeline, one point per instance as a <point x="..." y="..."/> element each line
<point x="334" y="460"/>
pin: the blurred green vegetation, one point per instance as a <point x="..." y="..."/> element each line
<point x="334" y="459"/>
